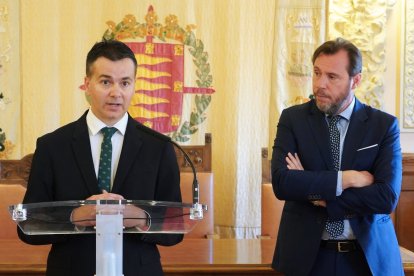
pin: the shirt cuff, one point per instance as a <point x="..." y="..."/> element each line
<point x="339" y="184"/>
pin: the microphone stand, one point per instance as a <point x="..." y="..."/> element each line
<point x="196" y="212"/>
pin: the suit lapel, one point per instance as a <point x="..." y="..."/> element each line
<point x="130" y="148"/>
<point x="319" y="129"/>
<point x="82" y="151"/>
<point x="355" y="134"/>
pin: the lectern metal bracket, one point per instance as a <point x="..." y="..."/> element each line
<point x="19" y="213"/>
<point x="196" y="211"/>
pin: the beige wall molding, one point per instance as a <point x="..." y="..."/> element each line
<point x="364" y="23"/>
<point x="407" y="61"/>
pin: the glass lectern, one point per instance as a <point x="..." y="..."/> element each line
<point x="108" y="219"/>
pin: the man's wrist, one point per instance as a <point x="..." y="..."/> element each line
<point x="147" y="225"/>
<point x="78" y="228"/>
<point x="346" y="180"/>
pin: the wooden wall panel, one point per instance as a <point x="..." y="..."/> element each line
<point x="404" y="214"/>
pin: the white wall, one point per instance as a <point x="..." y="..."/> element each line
<point x="393" y="75"/>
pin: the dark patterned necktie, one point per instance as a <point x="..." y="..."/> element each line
<point x="105" y="160"/>
<point x="334" y="227"/>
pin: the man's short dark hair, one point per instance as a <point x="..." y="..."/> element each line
<point x="111" y="49"/>
<point x="331" y="47"/>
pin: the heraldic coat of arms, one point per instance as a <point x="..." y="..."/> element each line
<point x="159" y="89"/>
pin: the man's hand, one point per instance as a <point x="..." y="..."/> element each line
<point x="293" y="162"/>
<point x="321" y="203"/>
<point x="85" y="215"/>
<point x="356" y="179"/>
<point x="105" y="196"/>
<point x="135" y="217"/>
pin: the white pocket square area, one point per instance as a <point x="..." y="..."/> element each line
<point x="364" y="148"/>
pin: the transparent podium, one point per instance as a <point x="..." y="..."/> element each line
<point x="108" y="219"/>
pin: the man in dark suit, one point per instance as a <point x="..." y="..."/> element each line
<point x="66" y="165"/>
<point x="337" y="163"/>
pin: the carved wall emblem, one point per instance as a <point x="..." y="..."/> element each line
<point x="363" y="22"/>
<point x="160" y="82"/>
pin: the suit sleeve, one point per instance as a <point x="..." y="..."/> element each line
<point x="382" y="196"/>
<point x="299" y="185"/>
<point x="40" y="189"/>
<point x="168" y="189"/>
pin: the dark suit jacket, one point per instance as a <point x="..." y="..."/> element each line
<point x="303" y="129"/>
<point x="62" y="169"/>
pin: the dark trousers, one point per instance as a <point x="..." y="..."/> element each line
<point x="330" y="262"/>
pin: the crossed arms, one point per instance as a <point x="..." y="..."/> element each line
<point x="350" y="178"/>
<point x="371" y="178"/>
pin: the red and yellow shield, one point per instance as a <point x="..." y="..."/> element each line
<point x="160" y="81"/>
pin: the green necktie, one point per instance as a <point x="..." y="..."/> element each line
<point x="105" y="161"/>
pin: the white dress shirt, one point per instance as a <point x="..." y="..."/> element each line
<point x="96" y="137"/>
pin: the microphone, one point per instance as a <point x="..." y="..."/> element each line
<point x="196" y="211"/>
